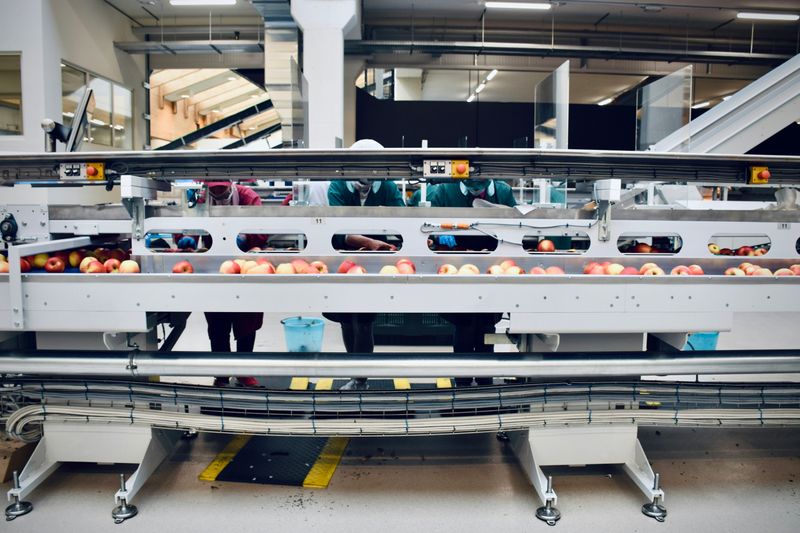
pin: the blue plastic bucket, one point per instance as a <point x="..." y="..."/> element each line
<point x="705" y="340"/>
<point x="303" y="334"/>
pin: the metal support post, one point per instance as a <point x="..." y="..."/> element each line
<point x="654" y="509"/>
<point x="548" y="513"/>
<point x="123" y="511"/>
<point x="18" y="508"/>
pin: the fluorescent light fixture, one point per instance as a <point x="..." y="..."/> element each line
<point x="97" y="122"/>
<point x="471" y="98"/>
<point x="184" y="96"/>
<point x="119" y="128"/>
<point x="479" y="88"/>
<point x="491" y="75"/>
<point x="701" y="105"/>
<point x="605" y="101"/>
<point x="539" y="6"/>
<point x="63" y="65"/>
<point x="202" y="2"/>
<point x="68" y="114"/>
<point x="216" y="111"/>
<point x="253" y="96"/>
<point x="748" y="15"/>
<point x="231" y="78"/>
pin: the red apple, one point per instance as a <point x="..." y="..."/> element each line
<point x="784" y="272"/>
<point x="112" y="266"/>
<point x="24" y="265"/>
<point x="447" y="268"/>
<point x="495" y="270"/>
<point x="726" y="251"/>
<point x="39" y="260"/>
<point x="508" y="263"/>
<point x="3" y="259"/>
<point x="96" y="267"/>
<point x="647" y="266"/>
<point x="555" y="271"/>
<point x="118" y="254"/>
<point x="714" y="248"/>
<point x="285" y="268"/>
<point x="745" y="250"/>
<point x="300" y="265"/>
<point x="696" y="270"/>
<point x="629" y="271"/>
<point x="546" y="245"/>
<point x="357" y="269"/>
<point x="654" y="271"/>
<point x="248" y="266"/>
<point x="389" y="270"/>
<point x="680" y="270"/>
<point x="182" y="267"/>
<point x="4" y="268"/>
<point x="260" y="269"/>
<point x="84" y="266"/>
<point x="320" y="267"/>
<point x="75" y="258"/>
<point x="795" y="269"/>
<point x="760" y="251"/>
<point x="733" y="271"/>
<point x="345" y="266"/>
<point x="641" y="248"/>
<point x="469" y="269"/>
<point x="745" y="265"/>
<point x="409" y="266"/>
<point x="230" y="267"/>
<point x="102" y="254"/>
<point x="54" y="264"/>
<point x="514" y="271"/>
<point x="129" y="266"/>
<point x="537" y="271"/>
<point x="240" y="262"/>
<point x="762" y="272"/>
<point x="597" y="270"/>
<point x="614" y="269"/>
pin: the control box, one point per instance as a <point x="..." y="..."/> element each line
<point x="82" y="171"/>
<point x="445" y="168"/>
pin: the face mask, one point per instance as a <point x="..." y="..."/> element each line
<point x="222" y="197"/>
<point x="476" y="187"/>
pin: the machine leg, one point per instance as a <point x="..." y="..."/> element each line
<point x="640" y="472"/>
<point x="654" y="509"/>
<point x="19" y="507"/>
<point x="520" y="443"/>
<point x="123" y="511"/>
<point x="38" y="468"/>
<point x="548" y="513"/>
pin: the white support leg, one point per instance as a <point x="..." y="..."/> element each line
<point x="159" y="448"/>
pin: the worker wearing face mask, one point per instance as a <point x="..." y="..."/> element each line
<point x="243" y="325"/>
<point x="357" y="327"/>
<point x="470" y="328"/>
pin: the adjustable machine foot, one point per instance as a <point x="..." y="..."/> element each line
<point x="123" y="511"/>
<point x="548" y="513"/>
<point x="654" y="509"/>
<point x="18" y="508"/>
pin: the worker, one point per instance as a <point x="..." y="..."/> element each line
<point x="243" y="325"/>
<point x="357" y="327"/>
<point x="470" y="328"/>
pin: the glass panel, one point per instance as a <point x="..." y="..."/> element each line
<point x="654" y="243"/>
<point x="368" y="242"/>
<point x="186" y="241"/>
<point x="122" y="120"/>
<point x="73" y="85"/>
<point x="10" y="95"/>
<point x="741" y="245"/>
<point x="662" y="107"/>
<point x="100" y="125"/>
<point x="442" y="243"/>
<point x="551" y="110"/>
<point x="262" y="241"/>
<point x="573" y="242"/>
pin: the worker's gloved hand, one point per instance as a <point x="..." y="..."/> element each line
<point x="447" y="240"/>
<point x="187" y="243"/>
<point x="191" y="197"/>
<point x="241" y="241"/>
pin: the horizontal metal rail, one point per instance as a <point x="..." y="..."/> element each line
<point x="418" y="365"/>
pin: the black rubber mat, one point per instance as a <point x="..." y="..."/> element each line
<point x="274" y="460"/>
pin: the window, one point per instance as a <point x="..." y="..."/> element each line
<point x="10" y="94"/>
<point x="112" y="122"/>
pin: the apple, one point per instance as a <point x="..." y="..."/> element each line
<point x="588" y="267"/>
<point x="389" y="270"/>
<point x="320" y="267"/>
<point x="555" y="271"/>
<point x="546" y="245"/>
<point x="254" y="249"/>
<point x="760" y="251"/>
<point x="268" y="265"/>
<point x="745" y="265"/>
<point x="300" y="265"/>
<point x="63" y="255"/>
<point x="597" y="270"/>
<point x="3" y="259"/>
<point x="4" y="268"/>
<point x="733" y="271"/>
<point x="447" y="268"/>
<point x="249" y="265"/>
<point x="508" y="263"/>
<point x="696" y="270"/>
<point x="614" y="269"/>
<point x="285" y="268"/>
<point x="129" y="266"/>
<point x="726" y="251"/>
<point x="751" y="270"/>
<point x="39" y="260"/>
<point x="654" y="271"/>
<point x="629" y="271"/>
<point x="96" y="267"/>
<point x="259" y="269"/>
<point x="112" y="266"/>
<point x="75" y="258"/>
<point x="102" y="254"/>
<point x="56" y="264"/>
<point x="762" y="272"/>
<point x="537" y="271"/>
<point x="745" y="250"/>
<point x="230" y="267"/>
<point x="495" y="270"/>
<point x="88" y="260"/>
<point x="345" y="266"/>
<point x="795" y="269"/>
<point x="784" y="272"/>
<point x="182" y="267"/>
<point x="514" y="271"/>
<point x="714" y="248"/>
<point x="410" y="267"/>
<point x="641" y="248"/>
<point x="357" y="269"/>
<point x="469" y="269"/>
<point x="680" y="270"/>
<point x="647" y="266"/>
<point x="118" y="254"/>
<point x="24" y="265"/>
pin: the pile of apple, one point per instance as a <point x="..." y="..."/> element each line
<point x="749" y="269"/>
<point x="97" y="261"/>
<point x="648" y="269"/>
<point x="644" y="248"/>
<point x="263" y="266"/>
<point x="92" y="265"/>
<point x="741" y="251"/>
<point x="507" y="268"/>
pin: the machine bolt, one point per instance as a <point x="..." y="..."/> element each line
<point x="654" y="509"/>
<point x="123" y="511"/>
<point x="548" y="513"/>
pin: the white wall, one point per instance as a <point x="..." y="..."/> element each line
<point x="81" y="32"/>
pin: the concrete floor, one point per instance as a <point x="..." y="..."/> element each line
<point x="715" y="480"/>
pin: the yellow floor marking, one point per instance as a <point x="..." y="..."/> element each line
<point x="443" y="383"/>
<point x="324" y="384"/>
<point x="321" y="473"/>
<point x="401" y="384"/>
<point x="299" y="384"/>
<point x="224" y="457"/>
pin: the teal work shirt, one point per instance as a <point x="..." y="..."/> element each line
<point x="451" y="195"/>
<point x="339" y="194"/>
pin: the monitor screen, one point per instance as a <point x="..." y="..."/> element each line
<point x="83" y="114"/>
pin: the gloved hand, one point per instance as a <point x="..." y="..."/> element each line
<point x="191" y="197"/>
<point x="187" y="243"/>
<point x="241" y="241"/>
<point x="447" y="240"/>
